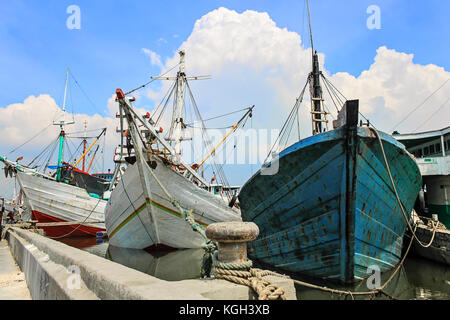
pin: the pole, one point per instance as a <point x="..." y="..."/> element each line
<point x="61" y="143"/>
<point x="62" y="133"/>
<point x="310" y="30"/>
<point x="84" y="143"/>
<point x="78" y="161"/>
<point x="92" y="160"/>
<point x="180" y="102"/>
<point x="223" y="139"/>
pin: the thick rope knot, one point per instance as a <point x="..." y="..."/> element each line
<point x="244" y="274"/>
<point x="187" y="214"/>
<point x="436" y="225"/>
<point x="207" y="261"/>
<point x="231" y="266"/>
<point x="265" y="289"/>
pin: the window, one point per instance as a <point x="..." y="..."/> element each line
<point x="432" y="149"/>
<point x="426" y="151"/>
<point x="419" y="153"/>
<point x="447" y="144"/>
<point x="438" y="147"/>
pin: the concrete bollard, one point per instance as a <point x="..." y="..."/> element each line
<point x="232" y="238"/>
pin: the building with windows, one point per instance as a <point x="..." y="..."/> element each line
<point x="431" y="150"/>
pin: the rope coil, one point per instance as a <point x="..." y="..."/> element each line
<point x="244" y="274"/>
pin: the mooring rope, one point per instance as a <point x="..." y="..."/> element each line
<point x="78" y="226"/>
<point x="244" y="274"/>
<point x="435" y="227"/>
<point x="242" y="277"/>
<point x="237" y="273"/>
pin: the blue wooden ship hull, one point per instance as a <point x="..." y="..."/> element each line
<point x="330" y="211"/>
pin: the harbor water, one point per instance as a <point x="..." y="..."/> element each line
<point x="418" y="279"/>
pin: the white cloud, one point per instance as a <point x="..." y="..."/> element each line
<point x="155" y="58"/>
<point x="253" y="61"/>
<point x="25" y="120"/>
<point x="393" y="86"/>
<point x="33" y="120"/>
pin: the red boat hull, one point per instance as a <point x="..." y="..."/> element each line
<point x="59" y="231"/>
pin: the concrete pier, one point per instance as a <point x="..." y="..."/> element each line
<point x="54" y="270"/>
<point x="12" y="281"/>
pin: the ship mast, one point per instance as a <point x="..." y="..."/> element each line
<point x="62" y="134"/>
<point x="177" y="125"/>
<point x="315" y="88"/>
<point x="181" y="76"/>
<point x="84" y="142"/>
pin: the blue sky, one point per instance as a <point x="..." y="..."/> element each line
<point x="106" y="53"/>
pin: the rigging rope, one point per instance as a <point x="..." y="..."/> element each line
<point x="218" y="167"/>
<point x="291" y="116"/>
<point x="221" y="116"/>
<point x="168" y="95"/>
<point x="413" y="232"/>
<point x="32" y="138"/>
<point x="42" y="152"/>
<point x="85" y="94"/>
<point x="50" y="155"/>
<point x="142" y="86"/>
<point x="82" y="223"/>
<point x="244" y="274"/>
<point x="426" y="99"/>
<point x="242" y="277"/>
<point x="263" y="287"/>
<point x="433" y="114"/>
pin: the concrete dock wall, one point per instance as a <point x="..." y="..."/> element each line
<point x="54" y="270"/>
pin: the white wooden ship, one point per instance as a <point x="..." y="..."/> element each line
<point x="68" y="195"/>
<point x="139" y="213"/>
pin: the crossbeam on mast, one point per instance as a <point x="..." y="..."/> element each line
<point x="187" y="78"/>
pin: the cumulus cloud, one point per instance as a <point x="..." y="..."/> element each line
<point x="155" y="59"/>
<point x="26" y="119"/>
<point x="393" y="86"/>
<point x="253" y="61"/>
<point x="33" y="121"/>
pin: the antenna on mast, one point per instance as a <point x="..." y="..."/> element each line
<point x="315" y="88"/>
<point x="62" y="134"/>
<point x="310" y="30"/>
<point x="63" y="121"/>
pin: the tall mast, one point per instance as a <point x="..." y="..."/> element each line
<point x="84" y="142"/>
<point x="180" y="103"/>
<point x="310" y="30"/>
<point x="177" y="116"/>
<point x="315" y="87"/>
<point x="62" y="133"/>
